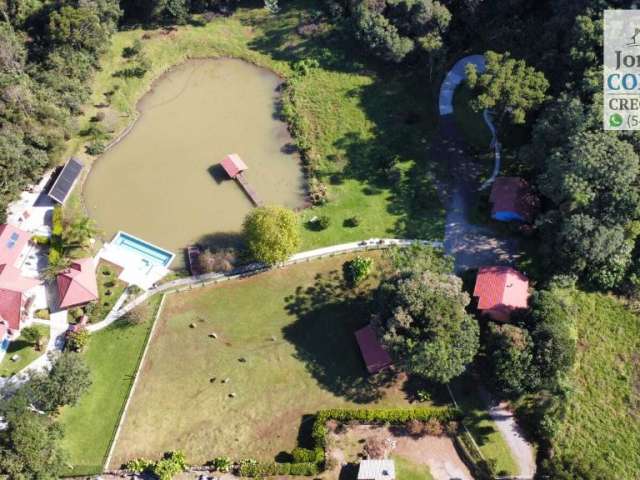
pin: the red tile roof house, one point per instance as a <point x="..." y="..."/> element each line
<point x="376" y="358"/>
<point x="13" y="286"/>
<point x="513" y="200"/>
<point x="500" y="291"/>
<point x="77" y="284"/>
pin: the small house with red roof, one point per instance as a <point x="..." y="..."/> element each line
<point x="500" y="291"/>
<point x="375" y="357"/>
<point x="77" y="284"/>
<point x="513" y="200"/>
<point x="13" y="285"/>
<point x="233" y="165"/>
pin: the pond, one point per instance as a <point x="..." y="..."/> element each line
<point x="162" y="182"/>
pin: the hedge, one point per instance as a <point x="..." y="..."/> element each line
<point x="270" y="469"/>
<point x="382" y="415"/>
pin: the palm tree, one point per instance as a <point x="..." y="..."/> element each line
<point x="56" y="265"/>
<point x="79" y="233"/>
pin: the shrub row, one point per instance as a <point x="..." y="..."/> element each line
<point x="383" y="415"/>
<point x="480" y="468"/>
<point x="249" y="468"/>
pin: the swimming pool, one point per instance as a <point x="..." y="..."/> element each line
<point x="150" y="254"/>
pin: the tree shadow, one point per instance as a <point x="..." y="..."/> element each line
<point x="327" y="315"/>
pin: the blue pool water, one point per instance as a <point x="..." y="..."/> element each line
<point x="150" y="254"/>
<point x="4" y="345"/>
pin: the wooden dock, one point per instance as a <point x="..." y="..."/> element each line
<point x="248" y="189"/>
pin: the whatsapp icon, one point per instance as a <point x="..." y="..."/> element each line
<point x="615" y="120"/>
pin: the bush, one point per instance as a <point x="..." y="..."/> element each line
<point x="77" y="340"/>
<point x="306" y="455"/>
<point x="222" y="464"/>
<point x="357" y="270"/>
<point x="222" y="260"/>
<point x="95" y="147"/>
<point x="171" y="464"/>
<point x="133" y="50"/>
<point x="323" y="222"/>
<point x="352" y="222"/>
<point x="433" y="427"/>
<point x="57" y="221"/>
<point x="138" y="465"/>
<point x="40" y="240"/>
<point x="42" y="314"/>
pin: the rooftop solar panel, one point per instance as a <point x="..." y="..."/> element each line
<point x="64" y="183"/>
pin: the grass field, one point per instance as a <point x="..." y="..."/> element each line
<point x="351" y="113"/>
<point x="603" y="411"/>
<point x="112" y="356"/>
<point x="285" y="343"/>
<point x="407" y="470"/>
<point x="26" y="351"/>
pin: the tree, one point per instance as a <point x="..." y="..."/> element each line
<point x="512" y="360"/>
<point x="357" y="270"/>
<point x="78" y="233"/>
<point x="425" y="325"/>
<point x="508" y="86"/>
<point x="30" y="447"/>
<point x="33" y="335"/>
<point x="392" y="29"/>
<point x="554" y="336"/>
<point x="595" y="173"/>
<point x="80" y="28"/>
<point x="271" y="234"/>
<point x="599" y="254"/>
<point x="68" y="379"/>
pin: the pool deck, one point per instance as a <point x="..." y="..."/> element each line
<point x="135" y="269"/>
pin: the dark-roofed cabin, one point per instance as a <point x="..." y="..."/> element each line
<point x="512" y="200"/>
<point x="375" y="357"/>
<point x="63" y="185"/>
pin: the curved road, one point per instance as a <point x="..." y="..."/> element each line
<point x="473" y="245"/>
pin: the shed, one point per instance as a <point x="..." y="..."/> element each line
<point x="77" y="284"/>
<point x="500" y="291"/>
<point x="65" y="181"/>
<point x="513" y="200"/>
<point x="375" y="357"/>
<point x="377" y="470"/>
<point x="233" y="165"/>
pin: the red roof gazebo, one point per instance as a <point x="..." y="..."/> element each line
<point x="233" y="165"/>
<point x="77" y="284"/>
<point x="500" y="290"/>
<point x="375" y="356"/>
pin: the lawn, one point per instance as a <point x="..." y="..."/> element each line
<point x="351" y="113"/>
<point x="284" y="347"/>
<point x="407" y="470"/>
<point x="26" y="351"/>
<point x="603" y="410"/>
<point x="112" y="355"/>
<point x="110" y="288"/>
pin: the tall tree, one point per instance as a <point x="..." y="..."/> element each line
<point x="424" y="324"/>
<point x="271" y="233"/>
<point x="68" y="379"/>
<point x="30" y="447"/>
<point x="507" y="86"/>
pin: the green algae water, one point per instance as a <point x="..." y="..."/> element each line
<point x="162" y="181"/>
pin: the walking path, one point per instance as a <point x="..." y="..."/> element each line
<point x="473" y="245"/>
<point x="198" y="281"/>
